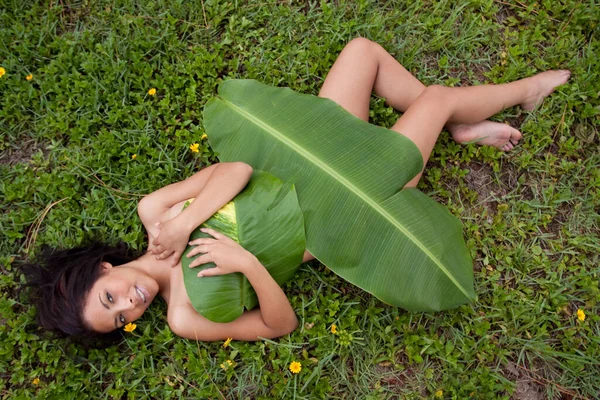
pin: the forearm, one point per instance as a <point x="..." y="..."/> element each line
<point x="276" y="311"/>
<point x="225" y="182"/>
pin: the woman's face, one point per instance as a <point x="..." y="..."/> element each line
<point x="119" y="296"/>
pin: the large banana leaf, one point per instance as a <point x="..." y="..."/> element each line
<point x="266" y="220"/>
<point x="399" y="245"/>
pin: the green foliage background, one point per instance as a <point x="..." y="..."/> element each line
<point x="531" y="216"/>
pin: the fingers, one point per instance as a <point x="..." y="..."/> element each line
<point x="202" y="248"/>
<point x="217" y="235"/>
<point x="164" y="254"/>
<point x="202" y="241"/>
<point x="176" y="257"/>
<point x="203" y="259"/>
<point x="210" y="272"/>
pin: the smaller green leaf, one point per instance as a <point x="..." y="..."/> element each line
<point x="266" y="220"/>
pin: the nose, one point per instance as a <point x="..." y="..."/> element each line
<point x="128" y="303"/>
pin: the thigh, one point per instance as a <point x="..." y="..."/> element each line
<point x="350" y="81"/>
<point x="422" y="123"/>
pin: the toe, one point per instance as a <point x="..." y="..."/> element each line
<point x="516" y="135"/>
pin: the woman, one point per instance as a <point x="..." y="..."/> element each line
<point x="87" y="292"/>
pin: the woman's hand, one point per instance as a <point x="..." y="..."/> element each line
<point x="212" y="187"/>
<point x="228" y="255"/>
<point x="171" y="239"/>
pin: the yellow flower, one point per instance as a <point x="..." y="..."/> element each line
<point x="194" y="147"/>
<point x="226" y="365"/>
<point x="204" y="136"/>
<point x="29" y="77"/>
<point x="439" y="394"/>
<point x="580" y="315"/>
<point x="133" y="156"/>
<point x="295" y="367"/>
<point x="2" y="72"/>
<point x="333" y="329"/>
<point x="227" y="342"/>
<point x="36" y="381"/>
<point x="130" y="327"/>
<point x="152" y="91"/>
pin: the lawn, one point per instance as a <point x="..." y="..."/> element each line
<point x="83" y="137"/>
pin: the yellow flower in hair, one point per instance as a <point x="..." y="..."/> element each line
<point x="130" y="327"/>
<point x="152" y="92"/>
<point x="295" y="367"/>
<point x="194" y="147"/>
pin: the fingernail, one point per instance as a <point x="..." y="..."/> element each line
<point x="200" y="275"/>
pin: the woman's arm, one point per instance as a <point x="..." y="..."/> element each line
<point x="212" y="187"/>
<point x="275" y="316"/>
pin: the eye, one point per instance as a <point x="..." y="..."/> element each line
<point x="122" y="318"/>
<point x="109" y="297"/>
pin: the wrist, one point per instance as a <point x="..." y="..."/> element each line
<point x="187" y="225"/>
<point x="251" y="264"/>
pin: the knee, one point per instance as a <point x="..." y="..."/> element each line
<point x="361" y="45"/>
<point x="436" y="91"/>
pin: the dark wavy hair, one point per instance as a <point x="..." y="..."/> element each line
<point x="58" y="282"/>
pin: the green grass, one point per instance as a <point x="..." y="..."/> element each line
<point x="531" y="217"/>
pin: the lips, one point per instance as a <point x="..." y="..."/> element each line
<point x="142" y="293"/>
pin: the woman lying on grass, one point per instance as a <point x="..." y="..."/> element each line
<point x="99" y="289"/>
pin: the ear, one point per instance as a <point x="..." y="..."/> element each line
<point x="105" y="266"/>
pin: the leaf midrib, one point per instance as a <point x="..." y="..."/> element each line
<point x="290" y="143"/>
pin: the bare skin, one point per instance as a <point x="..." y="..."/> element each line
<point x="362" y="67"/>
<point x="123" y="293"/>
<point x="365" y="67"/>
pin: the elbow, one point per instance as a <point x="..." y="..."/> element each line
<point x="290" y="326"/>
<point x="143" y="207"/>
<point x="284" y="327"/>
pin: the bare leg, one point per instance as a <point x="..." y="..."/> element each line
<point x="364" y="67"/>
<point x="438" y="105"/>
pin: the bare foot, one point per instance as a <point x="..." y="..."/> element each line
<point x="486" y="133"/>
<point x="542" y="85"/>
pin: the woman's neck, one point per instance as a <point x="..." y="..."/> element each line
<point x="159" y="270"/>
